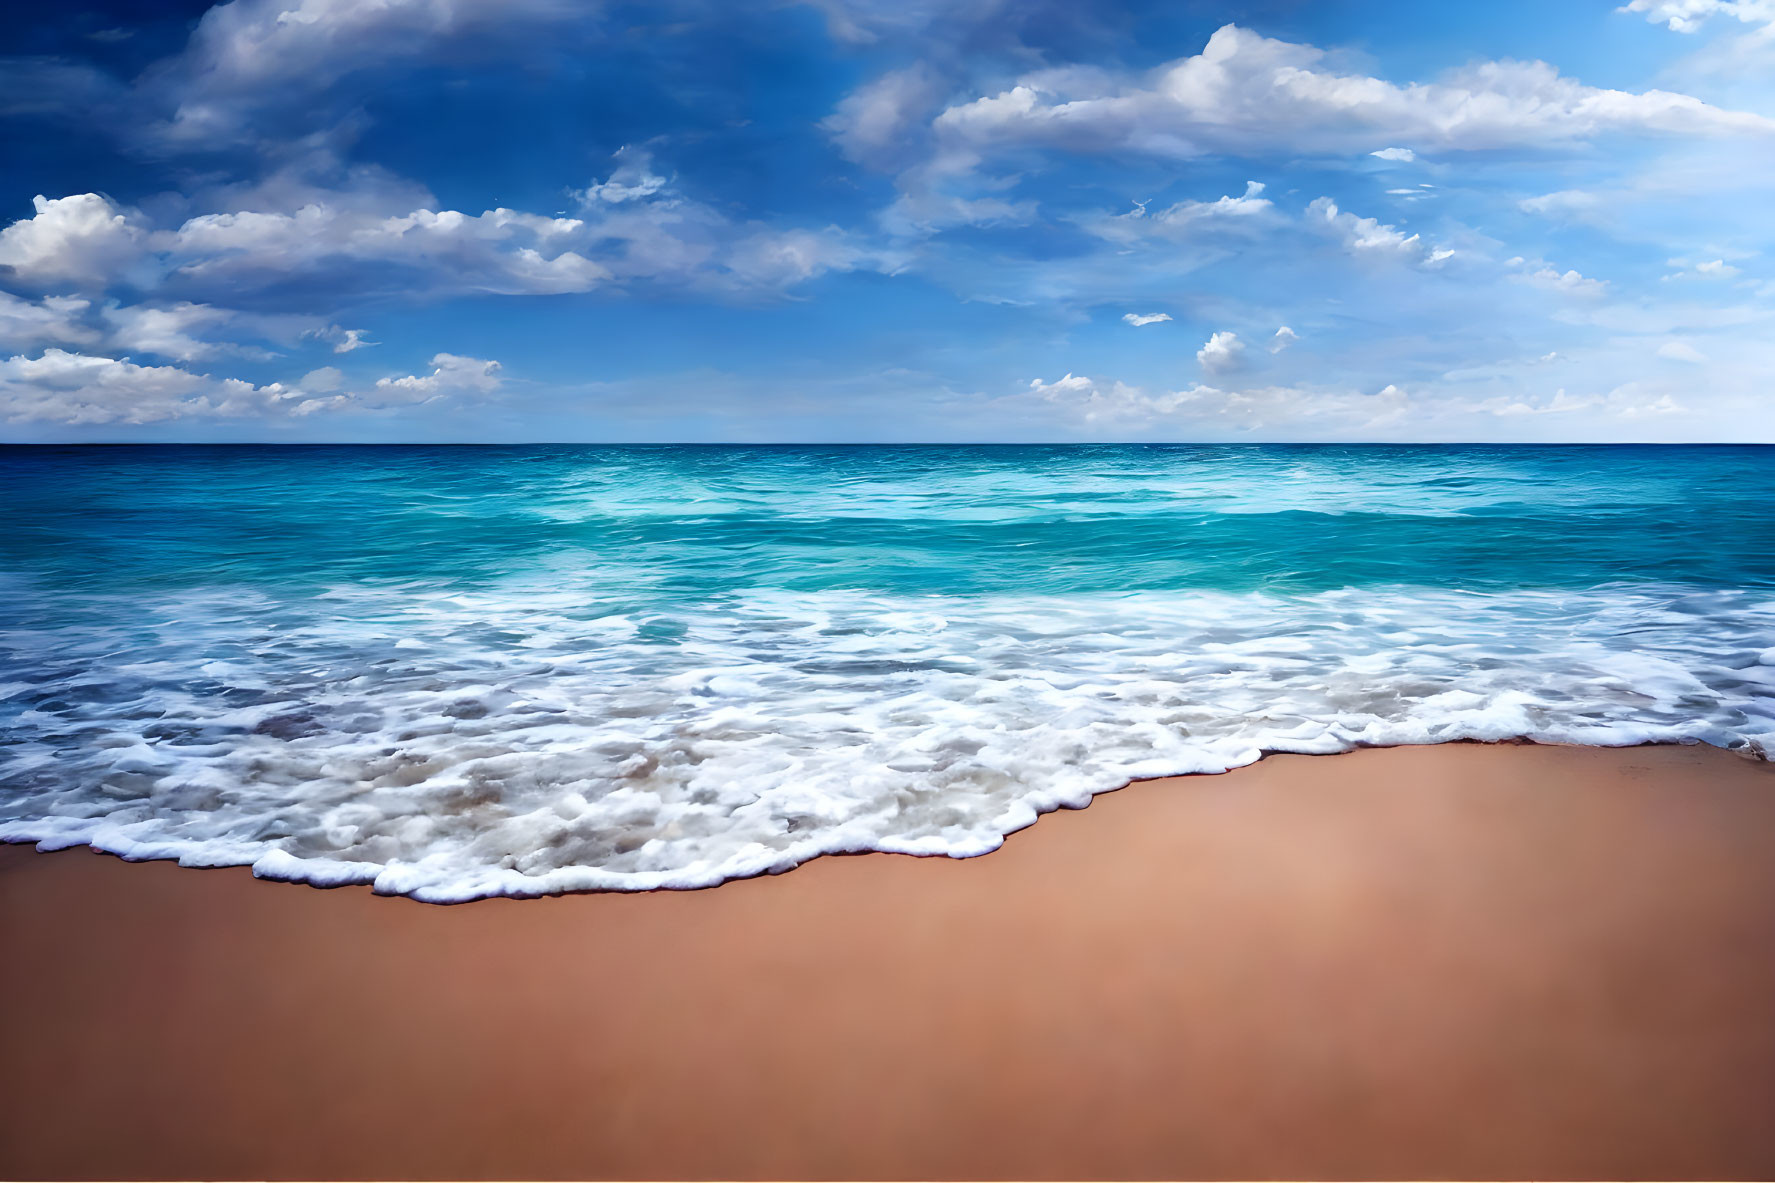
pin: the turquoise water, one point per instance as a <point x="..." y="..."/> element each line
<point x="456" y="672"/>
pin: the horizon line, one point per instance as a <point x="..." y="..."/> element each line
<point x="887" y="444"/>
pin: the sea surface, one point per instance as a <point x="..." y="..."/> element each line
<point x="462" y="672"/>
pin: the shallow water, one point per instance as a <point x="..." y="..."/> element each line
<point x="456" y="672"/>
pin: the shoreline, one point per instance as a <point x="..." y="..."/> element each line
<point x="1462" y="959"/>
<point x="368" y="879"/>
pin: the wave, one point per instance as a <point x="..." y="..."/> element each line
<point x="543" y="736"/>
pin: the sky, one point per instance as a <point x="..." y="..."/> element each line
<point x="888" y="220"/>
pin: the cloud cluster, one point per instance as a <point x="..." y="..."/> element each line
<point x="83" y="238"/>
<point x="633" y="227"/>
<point x="77" y="389"/>
<point x="1007" y="162"/>
<point x="1246" y="94"/>
<point x="1116" y="409"/>
<point x="91" y="389"/>
<point x="106" y="278"/>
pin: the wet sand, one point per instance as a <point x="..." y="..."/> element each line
<point x="1462" y="961"/>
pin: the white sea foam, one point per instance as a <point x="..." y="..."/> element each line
<point x="536" y="739"/>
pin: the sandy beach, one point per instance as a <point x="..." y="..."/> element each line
<point x="1503" y="961"/>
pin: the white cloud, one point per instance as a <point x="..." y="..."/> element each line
<point x="1397" y="155"/>
<point x="350" y="339"/>
<point x="1284" y="337"/>
<point x="451" y="374"/>
<point x="83" y="238"/>
<point x="499" y="251"/>
<point x="1203" y="411"/>
<point x="182" y="331"/>
<point x="1245" y="94"/>
<point x="171" y="331"/>
<point x="1149" y="318"/>
<point x="633" y="179"/>
<point x="1686" y="16"/>
<point x="77" y="389"/>
<point x="1113" y="405"/>
<point x="1188" y="220"/>
<point x="1248" y="204"/>
<point x="60" y="319"/>
<point x="636" y="228"/>
<point x="1569" y="282"/>
<point x="1223" y="352"/>
<point x="1500" y="410"/>
<point x="1362" y="235"/>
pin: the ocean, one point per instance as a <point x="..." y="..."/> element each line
<point x="458" y="672"/>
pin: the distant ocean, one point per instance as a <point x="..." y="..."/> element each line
<point x="460" y="672"/>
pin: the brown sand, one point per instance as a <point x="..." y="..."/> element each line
<point x="1462" y="961"/>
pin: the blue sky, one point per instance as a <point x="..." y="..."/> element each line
<point x="836" y="220"/>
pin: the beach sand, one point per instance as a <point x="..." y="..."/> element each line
<point x="1495" y="961"/>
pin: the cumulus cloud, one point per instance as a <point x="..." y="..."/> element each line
<point x="635" y="226"/>
<point x="1223" y="352"/>
<point x="450" y="374"/>
<point x="1284" y="337"/>
<point x="78" y="389"/>
<point x="84" y="238"/>
<point x="1397" y="155"/>
<point x="1246" y="94"/>
<point x="1150" y="318"/>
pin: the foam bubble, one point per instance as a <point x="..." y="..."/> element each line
<point x="541" y="737"/>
